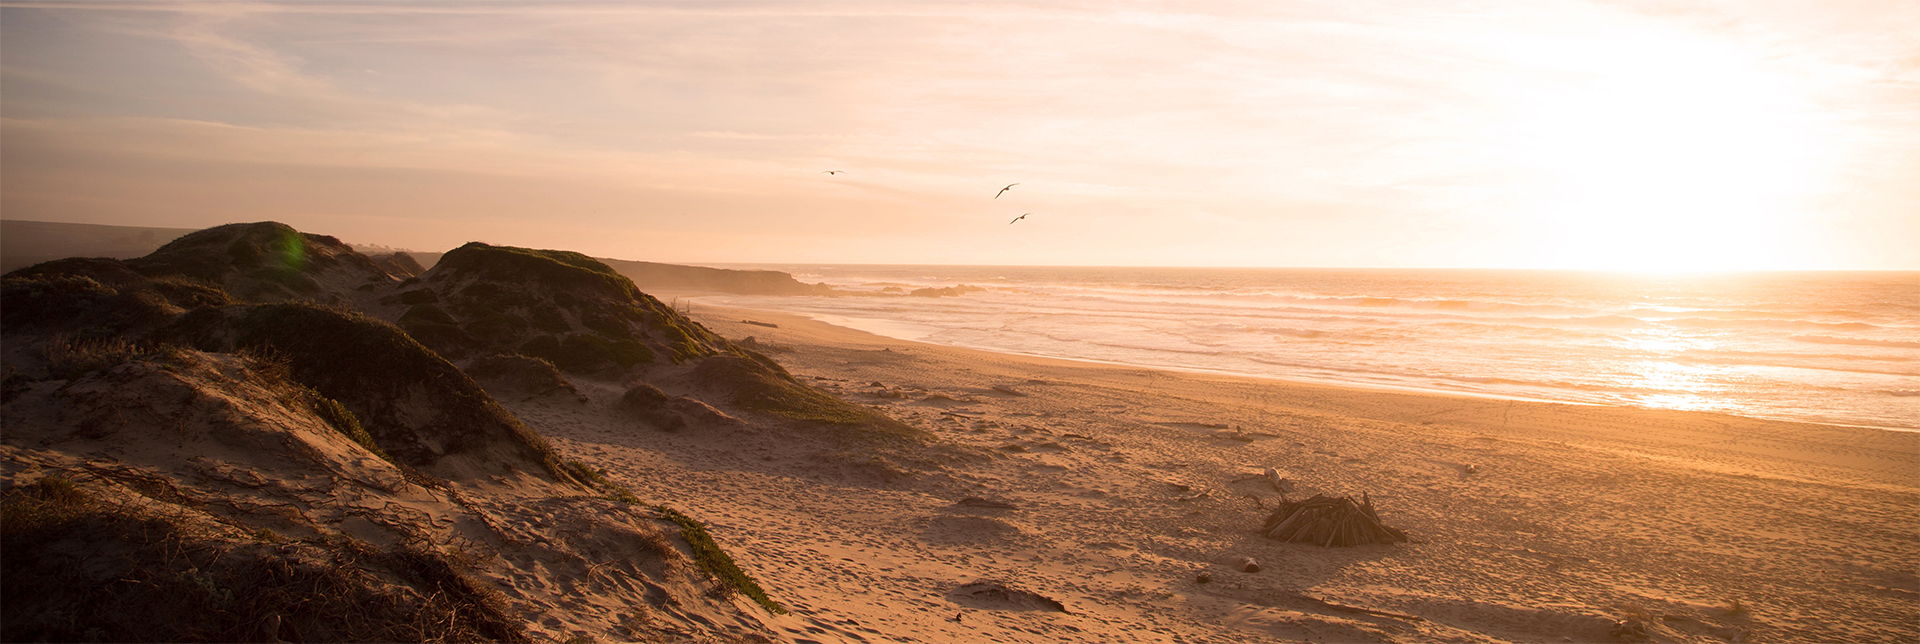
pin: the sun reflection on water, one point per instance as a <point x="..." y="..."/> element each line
<point x="1668" y="384"/>
<point x="1681" y="402"/>
<point x="1668" y="342"/>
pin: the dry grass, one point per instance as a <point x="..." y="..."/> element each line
<point x="181" y="577"/>
<point x="370" y="367"/>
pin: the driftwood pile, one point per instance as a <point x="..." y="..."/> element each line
<point x="1330" y="522"/>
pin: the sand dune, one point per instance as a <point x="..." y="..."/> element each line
<point x="547" y="482"/>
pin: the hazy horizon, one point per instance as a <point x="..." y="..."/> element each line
<point x="1617" y="136"/>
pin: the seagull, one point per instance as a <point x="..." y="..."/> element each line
<point x="832" y="171"/>
<point x="1004" y="190"/>
<point x="1010" y="223"/>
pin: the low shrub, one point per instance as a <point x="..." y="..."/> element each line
<point x="343" y="420"/>
<point x="716" y="562"/>
<point x="549" y="320"/>
<point x="760" y="388"/>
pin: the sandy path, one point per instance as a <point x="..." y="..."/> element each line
<point x="1532" y="521"/>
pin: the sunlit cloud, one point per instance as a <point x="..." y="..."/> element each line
<point x="1551" y="134"/>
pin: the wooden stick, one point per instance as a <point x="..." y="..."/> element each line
<point x="1356" y="609"/>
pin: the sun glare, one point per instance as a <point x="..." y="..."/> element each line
<point x="1675" y="153"/>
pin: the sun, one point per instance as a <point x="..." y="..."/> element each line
<point x="1668" y="152"/>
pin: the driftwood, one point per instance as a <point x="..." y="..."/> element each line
<point x="1196" y="496"/>
<point x="1356" y="609"/>
<point x="1280" y="483"/>
<point x="1330" y="522"/>
<point x="977" y="502"/>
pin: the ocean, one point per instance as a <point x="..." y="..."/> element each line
<point x="1828" y="347"/>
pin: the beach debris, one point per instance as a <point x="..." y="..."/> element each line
<point x="977" y="502"/>
<point x="1629" y="630"/>
<point x="769" y="325"/>
<point x="1196" y="496"/>
<point x="1330" y="522"/>
<point x="1203" y="577"/>
<point x="1281" y="484"/>
<point x="1241" y="435"/>
<point x="1469" y="469"/>
<point x="1356" y="609"/>
<point x="1246" y="564"/>
<point x="997" y="595"/>
<point x="1009" y="391"/>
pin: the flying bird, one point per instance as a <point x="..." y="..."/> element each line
<point x="832" y="171"/>
<point x="1004" y="190"/>
<point x="1010" y="223"/>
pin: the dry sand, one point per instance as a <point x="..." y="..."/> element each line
<point x="1532" y="522"/>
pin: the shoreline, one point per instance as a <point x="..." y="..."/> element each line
<point x="842" y="322"/>
<point x="1531" y="521"/>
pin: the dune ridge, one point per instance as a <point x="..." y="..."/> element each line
<point x="243" y="398"/>
<point x="520" y="444"/>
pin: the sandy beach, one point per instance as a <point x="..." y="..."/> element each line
<point x="1529" y="521"/>
<point x="935" y="322"/>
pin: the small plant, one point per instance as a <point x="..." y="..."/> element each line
<point x="69" y="358"/>
<point x="343" y="420"/>
<point x="207" y="585"/>
<point x="47" y="504"/>
<point x="586" y="475"/>
<point x="715" y="561"/>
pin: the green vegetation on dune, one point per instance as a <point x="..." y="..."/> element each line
<point x="343" y="421"/>
<point x="760" y="386"/>
<point x="371" y="366"/>
<point x="532" y="302"/>
<point x="95" y="299"/>
<point x="716" y="562"/>
<point x="511" y="264"/>
<point x="263" y="261"/>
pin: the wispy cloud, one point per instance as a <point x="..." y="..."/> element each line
<point x="1238" y="128"/>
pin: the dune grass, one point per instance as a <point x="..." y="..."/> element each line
<point x="715" y="561"/>
<point x="343" y="421"/>
<point x="182" y="576"/>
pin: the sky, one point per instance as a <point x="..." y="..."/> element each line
<point x="1620" y="135"/>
